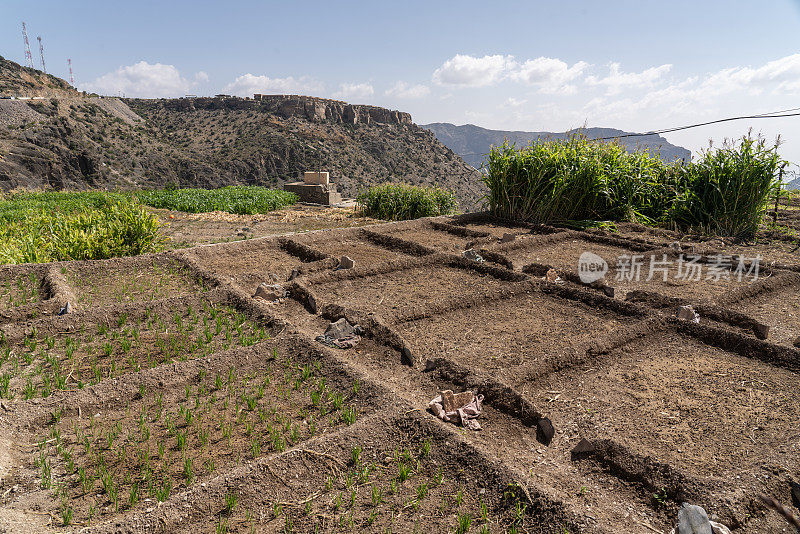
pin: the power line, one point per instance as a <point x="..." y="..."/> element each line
<point x="774" y="115"/>
<point x="768" y="115"/>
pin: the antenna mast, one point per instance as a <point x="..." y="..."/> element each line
<point x="41" y="53"/>
<point x="71" y="77"/>
<point x="28" y="56"/>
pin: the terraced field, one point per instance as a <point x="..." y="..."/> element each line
<point x="168" y="399"/>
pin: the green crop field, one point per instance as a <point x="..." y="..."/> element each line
<point x="243" y="200"/>
<point x="42" y="227"/>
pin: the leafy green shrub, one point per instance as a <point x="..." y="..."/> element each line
<point x="577" y="180"/>
<point x="397" y="202"/>
<point x="242" y="200"/>
<point x="728" y="189"/>
<point x="42" y="227"/>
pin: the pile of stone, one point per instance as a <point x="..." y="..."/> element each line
<point x="341" y="335"/>
<point x="270" y="292"/>
<point x="472" y="255"/>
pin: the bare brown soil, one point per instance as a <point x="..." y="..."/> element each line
<point x="507" y="339"/>
<point x="428" y="236"/>
<point x="350" y="244"/>
<point x="169" y="399"/>
<point x="188" y="229"/>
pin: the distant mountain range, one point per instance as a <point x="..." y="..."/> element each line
<point x="472" y="142"/>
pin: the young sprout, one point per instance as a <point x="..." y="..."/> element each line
<point x="463" y="523"/>
<point x="355" y="455"/>
<point x="231" y="499"/>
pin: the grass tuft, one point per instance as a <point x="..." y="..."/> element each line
<point x="396" y="202"/>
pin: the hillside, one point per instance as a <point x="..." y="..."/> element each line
<point x="473" y="142"/>
<point x="70" y="140"/>
<point x="16" y="80"/>
<point x="273" y="140"/>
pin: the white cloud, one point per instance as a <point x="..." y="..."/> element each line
<point x="550" y="75"/>
<point x="200" y="76"/>
<point x="780" y="76"/>
<point x="247" y="84"/>
<point x="726" y="92"/>
<point x="617" y="80"/>
<point x="354" y="90"/>
<point x="512" y="102"/>
<point x="406" y="90"/>
<point x="143" y="79"/>
<point x="473" y="71"/>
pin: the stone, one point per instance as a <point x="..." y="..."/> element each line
<point x="346" y="262"/>
<point x="583" y="449"/>
<point x="552" y="276"/>
<point x="406" y="358"/>
<point x="471" y="255"/>
<point x="692" y="519"/>
<point x="796" y="343"/>
<point x="314" y="194"/>
<point x="687" y="313"/>
<point x="795" y="489"/>
<point x="67" y="308"/>
<point x="609" y="291"/>
<point x="719" y="528"/>
<point x="340" y="329"/>
<point x="508" y="238"/>
<point x="761" y="330"/>
<point x="270" y="292"/>
<point x="544" y="431"/>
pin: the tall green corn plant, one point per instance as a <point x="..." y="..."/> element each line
<point x="574" y="181"/>
<point x="727" y="190"/>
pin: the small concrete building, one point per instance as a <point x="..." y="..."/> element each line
<point x="315" y="189"/>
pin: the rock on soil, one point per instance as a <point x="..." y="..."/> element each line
<point x="270" y="292"/>
<point x="692" y="519"/>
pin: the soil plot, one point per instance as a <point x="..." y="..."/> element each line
<point x="511" y="339"/>
<point x="48" y="359"/>
<point x="247" y="263"/>
<point x="16" y="291"/>
<point x="683" y="277"/>
<point x="706" y="411"/>
<point x="120" y="281"/>
<point x="427" y="236"/>
<point x="390" y="294"/>
<point x="337" y="245"/>
<point x="780" y="310"/>
<point x="164" y="440"/>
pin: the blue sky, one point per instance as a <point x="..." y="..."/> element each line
<point x="513" y="65"/>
